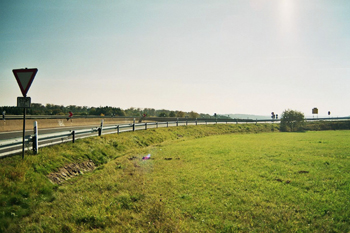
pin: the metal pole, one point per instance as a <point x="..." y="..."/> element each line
<point x="24" y="130"/>
<point x="73" y="136"/>
<point x="35" y="139"/>
<point x="101" y="128"/>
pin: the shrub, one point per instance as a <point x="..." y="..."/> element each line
<point x="292" y="121"/>
<point x="163" y="114"/>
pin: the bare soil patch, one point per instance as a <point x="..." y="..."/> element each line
<point x="70" y="171"/>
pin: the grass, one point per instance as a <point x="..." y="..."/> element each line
<point x="266" y="182"/>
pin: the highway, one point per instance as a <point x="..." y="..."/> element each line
<point x="16" y="137"/>
<point x="11" y="142"/>
<point x="17" y="134"/>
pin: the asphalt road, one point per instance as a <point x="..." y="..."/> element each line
<point x="17" y="134"/>
<point x="12" y="147"/>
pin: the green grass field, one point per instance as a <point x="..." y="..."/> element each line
<point x="195" y="181"/>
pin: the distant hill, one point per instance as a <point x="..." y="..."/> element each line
<point x="248" y="116"/>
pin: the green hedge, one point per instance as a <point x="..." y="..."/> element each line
<point x="327" y="125"/>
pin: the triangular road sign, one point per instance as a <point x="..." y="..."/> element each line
<point x="25" y="78"/>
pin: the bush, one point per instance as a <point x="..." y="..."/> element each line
<point x="327" y="125"/>
<point x="292" y="121"/>
<point x="163" y="114"/>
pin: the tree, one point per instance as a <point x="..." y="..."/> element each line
<point x="133" y="112"/>
<point x="193" y="114"/>
<point x="119" y="112"/>
<point x="292" y="121"/>
<point x="172" y="114"/>
<point x="92" y="111"/>
<point x="150" y="111"/>
<point x="163" y="114"/>
<point x="180" y="114"/>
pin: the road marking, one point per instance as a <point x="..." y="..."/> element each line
<point x="11" y="132"/>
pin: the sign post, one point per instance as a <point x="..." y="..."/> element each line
<point x="24" y="79"/>
<point x="35" y="139"/>
<point x="315" y="111"/>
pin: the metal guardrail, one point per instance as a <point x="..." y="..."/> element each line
<point x="10" y="147"/>
<point x="20" y="117"/>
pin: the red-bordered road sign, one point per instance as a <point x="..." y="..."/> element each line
<point x="25" y="78"/>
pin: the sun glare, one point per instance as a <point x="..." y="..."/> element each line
<point x="287" y="16"/>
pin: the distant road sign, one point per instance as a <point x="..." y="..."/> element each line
<point x="25" y="78"/>
<point x="23" y="102"/>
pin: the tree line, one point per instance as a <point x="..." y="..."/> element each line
<point x="52" y="109"/>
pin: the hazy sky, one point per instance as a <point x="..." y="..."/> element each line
<point x="209" y="56"/>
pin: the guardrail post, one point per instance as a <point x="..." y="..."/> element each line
<point x="117" y="129"/>
<point x="73" y="136"/>
<point x="24" y="130"/>
<point x="100" y="129"/>
<point x="157" y="125"/>
<point x="35" y="138"/>
<point x="186" y="122"/>
<point x="177" y="121"/>
<point x="133" y="125"/>
<point x="167" y="124"/>
<point x="146" y="126"/>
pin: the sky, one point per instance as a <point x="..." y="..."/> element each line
<point x="222" y="56"/>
